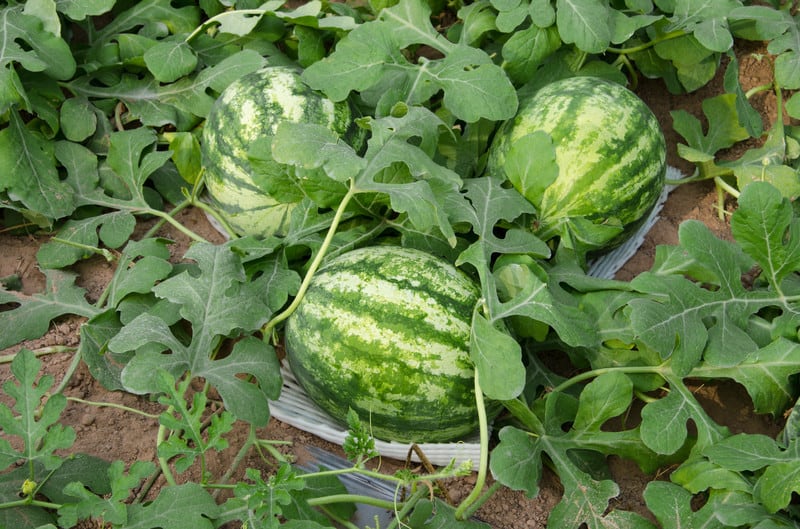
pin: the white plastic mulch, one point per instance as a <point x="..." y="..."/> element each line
<point x="296" y="409"/>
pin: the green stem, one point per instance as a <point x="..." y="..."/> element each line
<point x="756" y="89"/>
<point x="106" y="254"/>
<point x="523" y="413"/>
<point x="315" y="264"/>
<point x="115" y="406"/>
<point x="238" y="12"/>
<point x="269" y="446"/>
<point x="177" y="225"/>
<point x="352" y="498"/>
<point x="622" y="61"/>
<point x="483" y="465"/>
<point x="642" y="47"/>
<point x="488" y="493"/>
<point x="147" y="486"/>
<point x="406" y="508"/>
<point x="594" y="373"/>
<point x="697" y="177"/>
<point x="157" y="226"/>
<point x="162" y="461"/>
<point x="25" y="502"/>
<point x="376" y="475"/>
<point x="240" y="456"/>
<point x="338" y="520"/>
<point x="231" y="233"/>
<point x="705" y="171"/>
<point x="73" y="366"/>
<point x="55" y="349"/>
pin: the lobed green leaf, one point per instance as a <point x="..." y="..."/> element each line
<point x="218" y="303"/>
<point x="31" y="318"/>
<point x="369" y="60"/>
<point x="36" y="422"/>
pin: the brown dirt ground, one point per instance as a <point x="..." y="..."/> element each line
<point x="115" y="434"/>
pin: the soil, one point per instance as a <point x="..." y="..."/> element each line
<point x="112" y="433"/>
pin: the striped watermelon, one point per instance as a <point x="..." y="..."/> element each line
<point x="610" y="151"/>
<point x="248" y="110"/>
<point x="385" y="330"/>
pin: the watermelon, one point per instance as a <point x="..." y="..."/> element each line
<point x="611" y="157"/>
<point x="247" y="112"/>
<point x="385" y="330"/>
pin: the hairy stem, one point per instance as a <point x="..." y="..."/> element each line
<point x="108" y="255"/>
<point x="73" y="366"/>
<point x="175" y="224"/>
<point x="162" y="461"/>
<point x="594" y="373"/>
<point x="55" y="349"/>
<point x="215" y="19"/>
<point x="315" y="264"/>
<point x="112" y="405"/>
<point x="642" y="47"/>
<point x="174" y="211"/>
<point x="483" y="465"/>
<point x="240" y="456"/>
<point x="523" y="414"/>
<point x="488" y="493"/>
<point x="352" y="498"/>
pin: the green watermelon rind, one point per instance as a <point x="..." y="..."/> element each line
<point x="609" y="147"/>
<point x="247" y="111"/>
<point x="385" y="330"/>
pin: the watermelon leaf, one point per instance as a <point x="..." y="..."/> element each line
<point x="112" y="507"/>
<point x="584" y="23"/>
<point x="409" y="140"/>
<point x="311" y="146"/>
<point x="153" y="12"/>
<point x="78" y="239"/>
<point x="170" y="59"/>
<point x="490" y="203"/>
<point x="723" y="126"/>
<point x="779" y="466"/>
<point x="687" y="303"/>
<point x="748" y="116"/>
<point x="670" y="503"/>
<point x="32" y="317"/>
<point x="186" y="506"/>
<point x="131" y="160"/>
<point x="95" y="334"/>
<point x="531" y="165"/>
<point x="367" y="59"/>
<point x="766" y="374"/>
<point x="218" y="303"/>
<point x="28" y="171"/>
<point x="142" y="265"/>
<point x="188" y="438"/>
<point x="767" y="230"/>
<point x="517" y="460"/>
<point x="664" y="421"/>
<point x="35" y="424"/>
<point x="787" y="49"/>
<point x="174" y="103"/>
<point x="44" y="51"/>
<point x="496" y="357"/>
